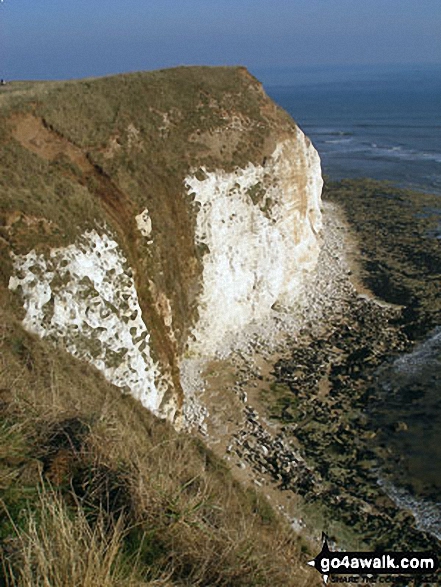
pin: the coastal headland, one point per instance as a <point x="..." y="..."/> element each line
<point x="192" y="334"/>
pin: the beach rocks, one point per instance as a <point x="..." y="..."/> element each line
<point x="269" y="454"/>
<point x="303" y="379"/>
<point x="318" y="441"/>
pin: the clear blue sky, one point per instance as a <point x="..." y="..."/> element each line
<point x="46" y="39"/>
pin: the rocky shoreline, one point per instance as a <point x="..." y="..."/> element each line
<point x="298" y="427"/>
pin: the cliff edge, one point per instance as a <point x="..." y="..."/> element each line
<point x="151" y="216"/>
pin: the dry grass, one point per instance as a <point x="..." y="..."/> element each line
<point x="79" y="153"/>
<point x="98" y="490"/>
<point x="58" y="547"/>
<point x="91" y="480"/>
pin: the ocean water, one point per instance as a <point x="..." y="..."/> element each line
<point x="407" y="413"/>
<point x="385" y="123"/>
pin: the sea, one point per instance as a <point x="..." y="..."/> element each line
<point x="378" y="122"/>
<point x="384" y="122"/>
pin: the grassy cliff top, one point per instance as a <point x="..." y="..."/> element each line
<point x="83" y="154"/>
<point x="144" y="131"/>
<point x="96" y="490"/>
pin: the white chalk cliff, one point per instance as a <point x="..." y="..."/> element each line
<point x="260" y="226"/>
<point x="83" y="298"/>
<point x="197" y="253"/>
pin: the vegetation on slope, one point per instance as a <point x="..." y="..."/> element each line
<point x="95" y="152"/>
<point x="76" y="153"/>
<point x="96" y="491"/>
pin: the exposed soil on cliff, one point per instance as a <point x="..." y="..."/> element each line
<point x="34" y="134"/>
<point x="83" y="154"/>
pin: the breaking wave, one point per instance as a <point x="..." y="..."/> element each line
<point x="427" y="513"/>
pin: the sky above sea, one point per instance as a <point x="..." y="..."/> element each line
<point x="59" y="39"/>
<point x="361" y="78"/>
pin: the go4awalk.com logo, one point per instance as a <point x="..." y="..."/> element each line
<point x="370" y="565"/>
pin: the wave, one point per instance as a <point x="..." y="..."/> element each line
<point x="424" y="356"/>
<point x="426" y="130"/>
<point x="408" y="154"/>
<point x="338" y="141"/>
<point x="401" y="126"/>
<point x="418" y="369"/>
<point x="415" y="372"/>
<point x="328" y="132"/>
<point x="427" y="513"/>
<point x="374" y="150"/>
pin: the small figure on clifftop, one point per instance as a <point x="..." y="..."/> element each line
<point x="2" y="82"/>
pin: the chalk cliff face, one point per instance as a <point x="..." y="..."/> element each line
<point x="161" y="213"/>
<point x="259" y="225"/>
<point x="83" y="297"/>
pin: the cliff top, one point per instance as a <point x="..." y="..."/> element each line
<point x="99" y="227"/>
<point x="81" y="153"/>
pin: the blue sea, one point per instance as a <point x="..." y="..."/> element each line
<point x="385" y="123"/>
<point x="378" y="122"/>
